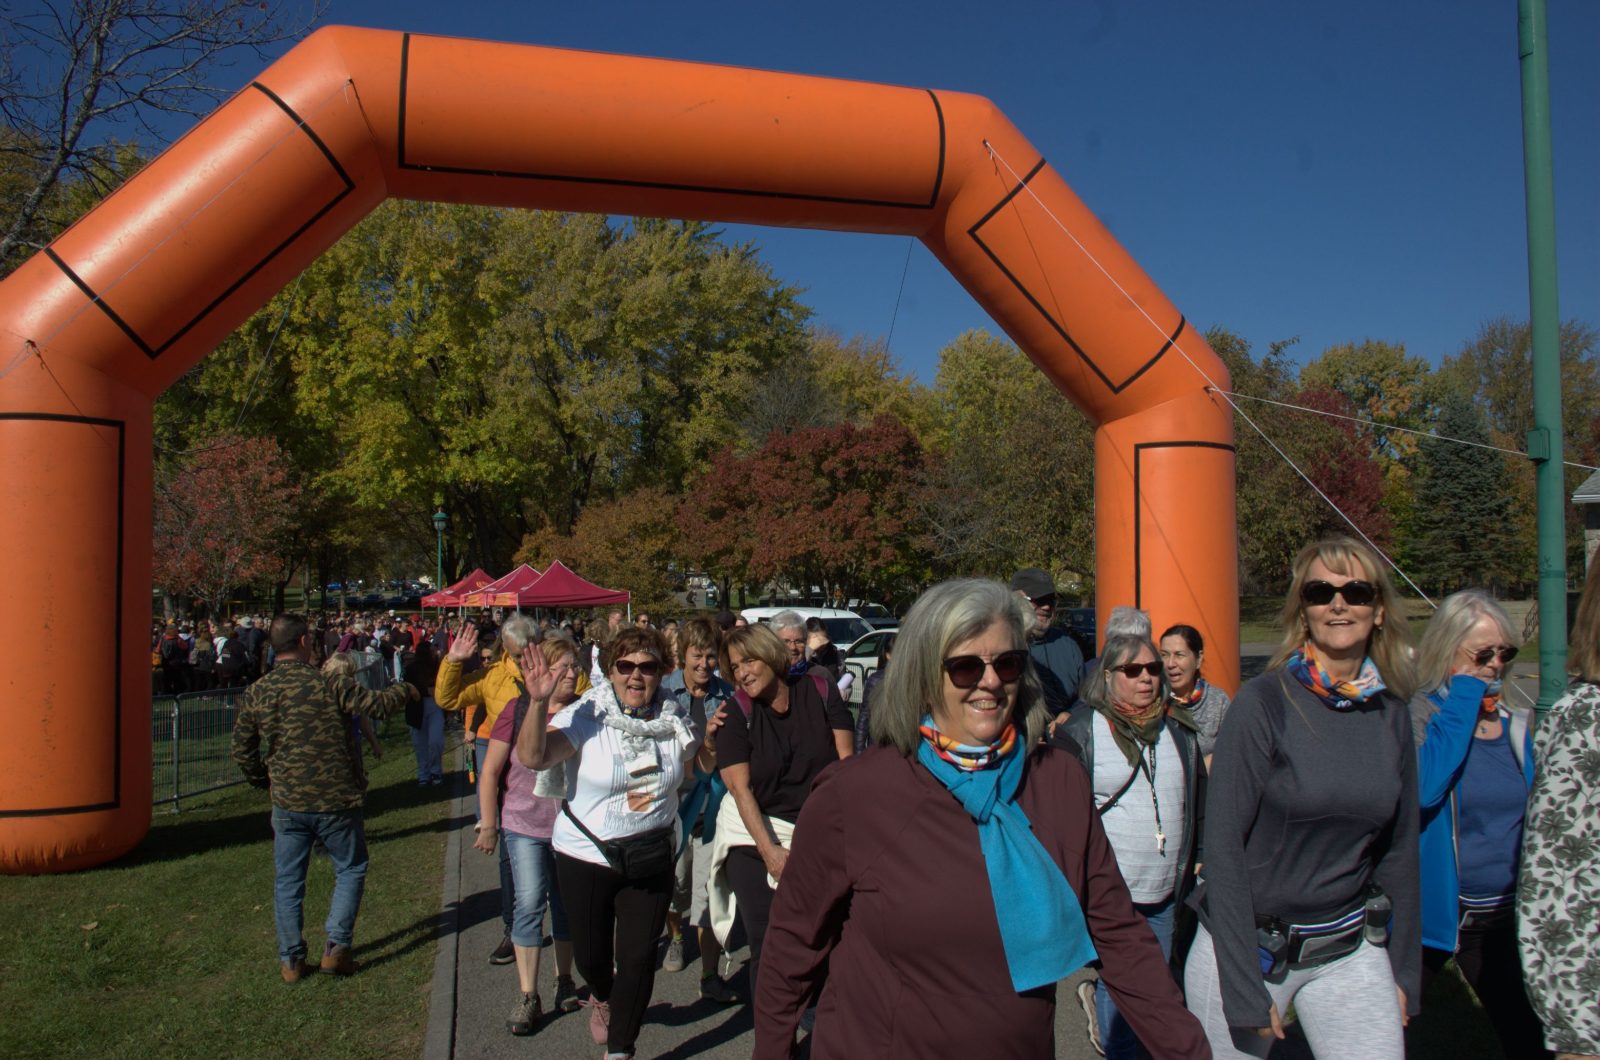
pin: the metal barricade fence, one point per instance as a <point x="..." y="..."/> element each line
<point x="191" y="736"/>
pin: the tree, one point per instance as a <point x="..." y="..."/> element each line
<point x="1011" y="482"/>
<point x="222" y="517"/>
<point x="628" y="543"/>
<point x="832" y="507"/>
<point x="831" y="381"/>
<point x="1463" y="533"/>
<point x="73" y="72"/>
<point x="1495" y="370"/>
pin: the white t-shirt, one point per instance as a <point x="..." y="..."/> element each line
<point x="1130" y="825"/>
<point x="610" y="803"/>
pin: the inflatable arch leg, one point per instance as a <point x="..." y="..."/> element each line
<point x="117" y="308"/>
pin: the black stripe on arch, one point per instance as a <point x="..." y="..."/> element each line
<point x="153" y="352"/>
<point x="116" y="657"/>
<point x="1056" y="325"/>
<point x="619" y="182"/>
<point x="110" y="313"/>
<point x="1138" y="529"/>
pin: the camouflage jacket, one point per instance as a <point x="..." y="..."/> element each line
<point x="296" y="734"/>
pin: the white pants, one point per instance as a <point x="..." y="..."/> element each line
<point x="1348" y="1007"/>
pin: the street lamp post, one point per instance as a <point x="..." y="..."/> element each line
<point x="439" y="521"/>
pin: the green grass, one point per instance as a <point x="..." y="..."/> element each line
<point x="171" y="950"/>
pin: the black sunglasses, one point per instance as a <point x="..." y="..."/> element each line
<point x="1356" y="593"/>
<point x="625" y="667"/>
<point x="1047" y="600"/>
<point x="1482" y="656"/>
<point x="1133" y="670"/>
<point x="967" y="670"/>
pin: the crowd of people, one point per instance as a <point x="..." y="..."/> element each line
<point x="915" y="880"/>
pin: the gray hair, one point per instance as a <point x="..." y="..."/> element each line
<point x="1120" y="649"/>
<point x="1128" y="621"/>
<point x="519" y="632"/>
<point x="786" y="620"/>
<point x="1447" y="629"/>
<point x="942" y="617"/>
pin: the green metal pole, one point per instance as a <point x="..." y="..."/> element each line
<point x="1544" y="441"/>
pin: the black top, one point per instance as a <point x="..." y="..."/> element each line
<point x="785" y="752"/>
<point x="1307" y="805"/>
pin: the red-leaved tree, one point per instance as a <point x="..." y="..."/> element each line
<point x="833" y="507"/>
<point x="223" y="518"/>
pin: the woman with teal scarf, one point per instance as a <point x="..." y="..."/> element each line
<point x="942" y="883"/>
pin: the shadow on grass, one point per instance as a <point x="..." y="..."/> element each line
<point x="175" y="838"/>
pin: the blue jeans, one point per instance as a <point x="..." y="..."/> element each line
<point x="1118" y="1038"/>
<point x="533" y="868"/>
<point x="293" y="834"/>
<point x="508" y="887"/>
<point x="427" y="742"/>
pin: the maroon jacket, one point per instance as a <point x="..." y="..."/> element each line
<point x="885" y="899"/>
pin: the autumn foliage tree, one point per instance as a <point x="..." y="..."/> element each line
<point x="832" y="507"/>
<point x="628" y="543"/>
<point x="223" y="514"/>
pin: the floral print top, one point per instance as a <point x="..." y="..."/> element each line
<point x="1558" y="895"/>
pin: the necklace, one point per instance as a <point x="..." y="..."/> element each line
<point x="1161" y="835"/>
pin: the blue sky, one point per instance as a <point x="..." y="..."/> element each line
<point x="1332" y="171"/>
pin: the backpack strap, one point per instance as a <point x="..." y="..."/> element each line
<point x="1101" y="812"/>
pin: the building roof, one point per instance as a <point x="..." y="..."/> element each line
<point x="1589" y="492"/>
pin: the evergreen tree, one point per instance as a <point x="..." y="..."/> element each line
<point x="1461" y="526"/>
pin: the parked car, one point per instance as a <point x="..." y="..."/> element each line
<point x="861" y="659"/>
<point x="877" y="616"/>
<point x="1079" y="623"/>
<point x="844" y="627"/>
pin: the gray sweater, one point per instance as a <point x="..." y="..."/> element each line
<point x="1308" y="805"/>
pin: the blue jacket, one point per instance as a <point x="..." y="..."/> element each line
<point x="708" y="788"/>
<point x="1441" y="756"/>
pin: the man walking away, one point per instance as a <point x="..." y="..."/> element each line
<point x="296" y="736"/>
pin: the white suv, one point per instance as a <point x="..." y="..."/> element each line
<point x="844" y="627"/>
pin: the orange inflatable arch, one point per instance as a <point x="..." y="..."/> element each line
<point x="94" y="327"/>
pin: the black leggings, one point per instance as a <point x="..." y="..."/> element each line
<point x="1488" y="960"/>
<point x="747" y="873"/>
<point x="602" y="907"/>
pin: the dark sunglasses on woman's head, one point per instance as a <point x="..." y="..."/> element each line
<point x="967" y="670"/>
<point x="1133" y="670"/>
<point x="625" y="667"/>
<point x="1482" y="656"/>
<point x="1356" y="593"/>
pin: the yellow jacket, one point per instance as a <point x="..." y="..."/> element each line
<point x="482" y="695"/>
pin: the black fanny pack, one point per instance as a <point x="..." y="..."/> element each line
<point x="634" y="857"/>
<point x="1300" y="945"/>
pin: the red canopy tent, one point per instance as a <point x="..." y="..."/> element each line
<point x="561" y="588"/>
<point x="504" y="592"/>
<point x="450" y="595"/>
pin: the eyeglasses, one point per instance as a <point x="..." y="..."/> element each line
<point x="1133" y="670"/>
<point x="1482" y="656"/>
<point x="967" y="670"/>
<point x="1047" y="600"/>
<point x="625" y="667"/>
<point x="1356" y="593"/>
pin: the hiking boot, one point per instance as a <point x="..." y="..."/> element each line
<point x="1085" y="993"/>
<point x="295" y="970"/>
<point x="566" y="994"/>
<point x="337" y="959"/>
<point x="673" y="962"/>
<point x="712" y="988"/>
<point x="524" y="1014"/>
<point x="599" y="1021"/>
<point x="504" y="953"/>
